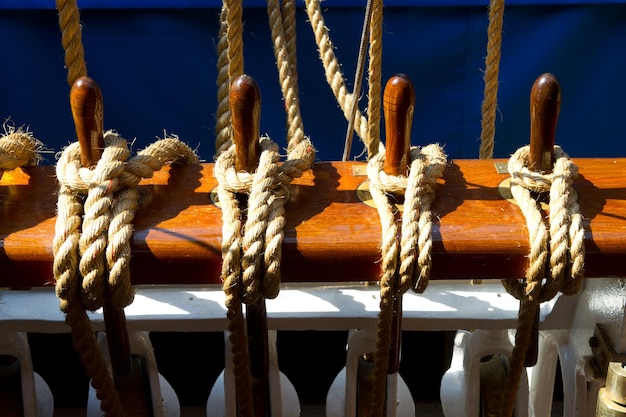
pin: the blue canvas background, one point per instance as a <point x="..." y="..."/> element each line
<point x="155" y="62"/>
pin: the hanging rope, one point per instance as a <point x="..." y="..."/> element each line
<point x="229" y="66"/>
<point x="492" y="70"/>
<point x="375" y="78"/>
<point x="285" y="56"/>
<point x="405" y="264"/>
<point x="332" y="69"/>
<point x="71" y="39"/>
<point x="561" y="248"/>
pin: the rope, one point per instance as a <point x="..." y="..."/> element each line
<point x="251" y="250"/>
<point x="71" y="39"/>
<point x="402" y="267"/>
<point x="561" y="248"/>
<point x="229" y="67"/>
<point x="92" y="240"/>
<point x="375" y="78"/>
<point x="332" y="69"/>
<point x="358" y="77"/>
<point x="281" y="23"/>
<point x="18" y="148"/>
<point x="492" y="69"/>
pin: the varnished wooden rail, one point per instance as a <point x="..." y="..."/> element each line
<point x="331" y="235"/>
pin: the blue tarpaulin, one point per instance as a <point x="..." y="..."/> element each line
<point x="155" y="62"/>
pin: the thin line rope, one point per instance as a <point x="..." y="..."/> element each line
<point x="358" y="78"/>
<point x="492" y="70"/>
<point x="560" y="248"/>
<point x="402" y="268"/>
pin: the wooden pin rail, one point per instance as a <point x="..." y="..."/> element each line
<point x="331" y="235"/>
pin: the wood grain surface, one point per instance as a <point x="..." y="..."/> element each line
<point x="331" y="235"/>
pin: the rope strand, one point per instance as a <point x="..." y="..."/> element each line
<point x="492" y="70"/>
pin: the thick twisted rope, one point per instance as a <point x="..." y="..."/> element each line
<point x="282" y="25"/>
<point x="229" y="66"/>
<point x="71" y="39"/>
<point x="92" y="240"/>
<point x="332" y="69"/>
<point x="375" y="78"/>
<point x="492" y="70"/>
<point x="18" y="148"/>
<point x="561" y="248"/>
<point x="251" y="250"/>
<point x="405" y="264"/>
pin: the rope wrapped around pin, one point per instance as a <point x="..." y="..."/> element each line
<point x="426" y="166"/>
<point x="102" y="237"/>
<point x="543" y="169"/>
<point x="249" y="174"/>
<point x="263" y="229"/>
<point x="406" y="265"/>
<point x="411" y="172"/>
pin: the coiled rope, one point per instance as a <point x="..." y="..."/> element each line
<point x="18" y="148"/>
<point x="406" y="263"/>
<point x="560" y="248"/>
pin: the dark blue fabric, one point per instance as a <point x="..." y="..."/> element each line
<point x="186" y="4"/>
<point x="157" y="71"/>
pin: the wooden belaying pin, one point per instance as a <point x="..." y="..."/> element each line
<point x="398" y="105"/>
<point x="128" y="372"/>
<point x="545" y="104"/>
<point x="87" y="111"/>
<point x="245" y="110"/>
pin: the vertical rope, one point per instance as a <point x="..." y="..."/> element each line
<point x="222" y="113"/>
<point x="332" y="69"/>
<point x="229" y="46"/>
<point x="285" y="62"/>
<point x="358" y="78"/>
<point x="492" y="69"/>
<point x="71" y="39"/>
<point x="375" y="78"/>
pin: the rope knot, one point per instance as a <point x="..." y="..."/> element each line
<point x="561" y="247"/>
<point x="92" y="237"/>
<point x="427" y="164"/>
